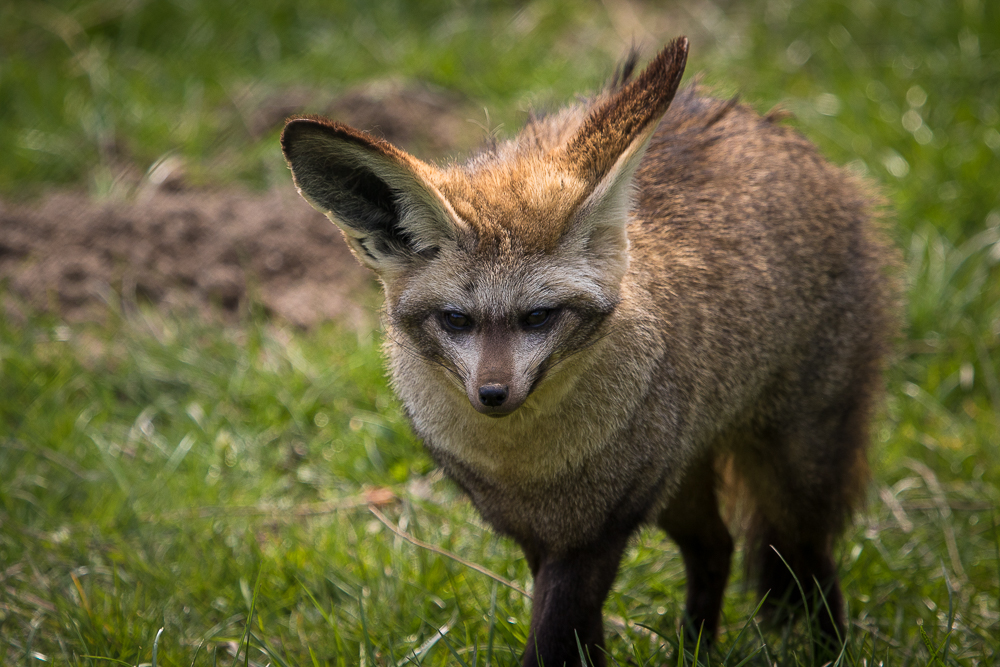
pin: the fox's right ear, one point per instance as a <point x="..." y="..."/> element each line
<point x="389" y="212"/>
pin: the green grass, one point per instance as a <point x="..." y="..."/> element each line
<point x="166" y="472"/>
<point x="87" y="88"/>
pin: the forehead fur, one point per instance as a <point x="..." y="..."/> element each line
<point x="498" y="285"/>
<point x="526" y="202"/>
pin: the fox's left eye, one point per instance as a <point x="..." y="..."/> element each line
<point x="538" y="318"/>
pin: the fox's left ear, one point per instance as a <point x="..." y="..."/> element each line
<point x="379" y="196"/>
<point x="608" y="147"/>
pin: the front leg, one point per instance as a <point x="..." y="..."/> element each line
<point x="570" y="590"/>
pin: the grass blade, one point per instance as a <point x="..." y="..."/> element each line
<point x="493" y="626"/>
<point x="156" y="645"/>
<point x="805" y="602"/>
<point x="750" y="620"/>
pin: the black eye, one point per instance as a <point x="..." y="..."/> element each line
<point x="456" y="321"/>
<point x="537" y="318"/>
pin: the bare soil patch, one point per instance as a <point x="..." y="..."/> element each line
<point x="210" y="250"/>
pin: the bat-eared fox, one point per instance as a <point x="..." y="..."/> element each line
<point x="636" y="304"/>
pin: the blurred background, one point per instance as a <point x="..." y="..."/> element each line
<point x="193" y="414"/>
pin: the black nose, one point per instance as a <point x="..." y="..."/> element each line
<point x="492" y="395"/>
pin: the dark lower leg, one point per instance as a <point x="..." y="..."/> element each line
<point x="692" y="520"/>
<point x="566" y="615"/>
<point x="706" y="564"/>
<point x="813" y="586"/>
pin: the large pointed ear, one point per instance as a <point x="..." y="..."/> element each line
<point x="620" y="124"/>
<point x="608" y="147"/>
<point x="377" y="194"/>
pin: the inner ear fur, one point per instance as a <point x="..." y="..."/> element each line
<point x="372" y="190"/>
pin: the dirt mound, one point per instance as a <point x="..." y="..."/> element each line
<point x="207" y="249"/>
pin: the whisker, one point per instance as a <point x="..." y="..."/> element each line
<point x="457" y="373"/>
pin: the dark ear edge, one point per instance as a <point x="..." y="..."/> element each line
<point x="336" y="179"/>
<point x="297" y="127"/>
<point x="627" y="113"/>
<point x="365" y="185"/>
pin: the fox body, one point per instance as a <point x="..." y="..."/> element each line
<point x="587" y="321"/>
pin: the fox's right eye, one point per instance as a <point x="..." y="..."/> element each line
<point x="456" y="321"/>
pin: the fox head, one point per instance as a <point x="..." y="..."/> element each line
<point x="497" y="269"/>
